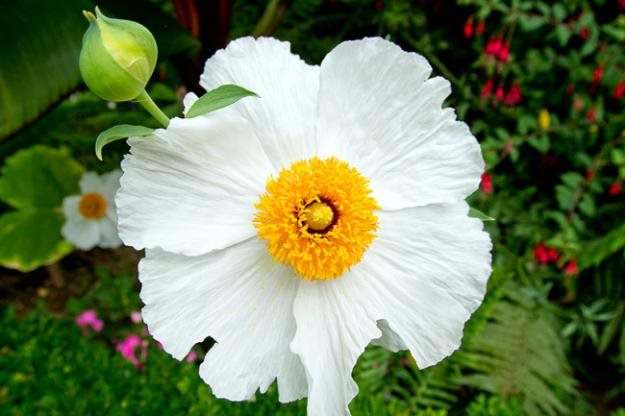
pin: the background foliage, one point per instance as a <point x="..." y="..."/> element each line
<point x="542" y="85"/>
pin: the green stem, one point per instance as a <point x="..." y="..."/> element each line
<point x="146" y="102"/>
<point x="265" y="22"/>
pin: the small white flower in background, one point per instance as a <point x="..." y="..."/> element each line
<point x="297" y="228"/>
<point x="91" y="218"/>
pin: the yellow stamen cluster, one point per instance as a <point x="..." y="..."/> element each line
<point x="318" y="217"/>
<point x="92" y="206"/>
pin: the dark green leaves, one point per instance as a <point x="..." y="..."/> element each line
<point x="117" y="133"/>
<point x="34" y="182"/>
<point x="40" y="43"/>
<point x="220" y="97"/>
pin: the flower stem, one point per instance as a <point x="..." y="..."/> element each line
<point x="146" y="102"/>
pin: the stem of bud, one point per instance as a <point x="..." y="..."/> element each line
<point x="146" y="102"/>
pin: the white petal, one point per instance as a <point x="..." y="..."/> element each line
<point x="378" y="110"/>
<point x="82" y="233"/>
<point x="110" y="185"/>
<point x="332" y="331"/>
<point x="90" y="182"/>
<point x="70" y="207"/>
<point x="425" y="274"/>
<point x="108" y="234"/>
<point x="242" y="299"/>
<point x="192" y="188"/>
<point x="284" y="117"/>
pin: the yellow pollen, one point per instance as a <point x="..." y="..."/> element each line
<point x="92" y="206"/>
<point x="317" y="216"/>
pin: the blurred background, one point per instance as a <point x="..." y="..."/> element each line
<point x="540" y="83"/>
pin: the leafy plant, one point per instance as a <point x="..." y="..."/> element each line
<point x="34" y="182"/>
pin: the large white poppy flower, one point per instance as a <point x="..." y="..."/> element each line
<point x="297" y="228"/>
<point x="91" y="218"/>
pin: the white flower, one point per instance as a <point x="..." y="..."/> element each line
<point x="90" y="218"/>
<point x="297" y="228"/>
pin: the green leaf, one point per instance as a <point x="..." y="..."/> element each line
<point x="34" y="182"/>
<point x="220" y="97"/>
<point x="31" y="238"/>
<point x="39" y="177"/>
<point x="118" y="133"/>
<point x="479" y="215"/>
<point x="40" y="43"/>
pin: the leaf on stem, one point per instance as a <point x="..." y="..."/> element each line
<point x="220" y="97"/>
<point x="120" y="132"/>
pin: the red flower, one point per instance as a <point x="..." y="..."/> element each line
<point x="493" y="46"/>
<point x="597" y="74"/>
<point x="570" y="269"/>
<point x="504" y="53"/>
<point x="590" y="174"/>
<point x="487" y="183"/>
<point x="552" y="254"/>
<point x="619" y="90"/>
<point x="570" y="89"/>
<point x="584" y="33"/>
<point x="615" y="189"/>
<point x="487" y="89"/>
<point x="468" y="28"/>
<point x="540" y="254"/>
<point x="479" y="28"/>
<point x="513" y="96"/>
<point x="545" y="255"/>
<point x="591" y="115"/>
<point x="499" y="93"/>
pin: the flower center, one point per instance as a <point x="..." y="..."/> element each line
<point x="92" y="206"/>
<point x="318" y="217"/>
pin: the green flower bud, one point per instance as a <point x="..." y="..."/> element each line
<point x="117" y="57"/>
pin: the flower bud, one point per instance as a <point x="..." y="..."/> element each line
<point x="117" y="57"/>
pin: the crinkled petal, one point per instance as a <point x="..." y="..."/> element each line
<point x="242" y="299"/>
<point x="108" y="233"/>
<point x="284" y="116"/>
<point x="333" y="330"/>
<point x="82" y="233"/>
<point x="424" y="275"/>
<point x="379" y="111"/>
<point x="191" y="188"/>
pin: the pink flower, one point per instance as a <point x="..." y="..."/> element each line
<point x="570" y="269"/>
<point x="89" y="319"/>
<point x="591" y="115"/>
<point x="545" y="255"/>
<point x="615" y="189"/>
<point x="619" y="90"/>
<point x="135" y="317"/>
<point x="479" y="28"/>
<point x="493" y="46"/>
<point x="584" y="33"/>
<point x="540" y="254"/>
<point x="504" y="53"/>
<point x="191" y="357"/>
<point x="487" y="183"/>
<point x="128" y="348"/>
<point x="513" y="96"/>
<point x="487" y="89"/>
<point x="597" y="74"/>
<point x="499" y="93"/>
<point x="468" y="28"/>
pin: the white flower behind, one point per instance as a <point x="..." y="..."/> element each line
<point x="298" y="228"/>
<point x="91" y="218"/>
